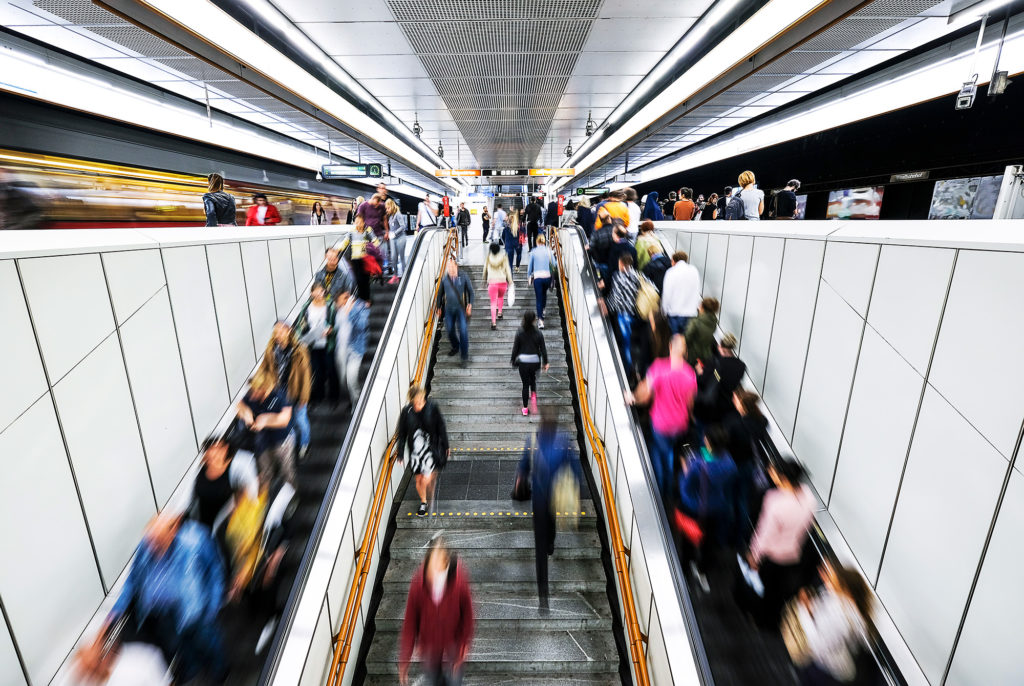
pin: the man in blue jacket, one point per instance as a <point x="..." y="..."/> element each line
<point x="455" y="302"/>
<point x="352" y="322"/>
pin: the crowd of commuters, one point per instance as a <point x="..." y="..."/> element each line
<point x="746" y="201"/>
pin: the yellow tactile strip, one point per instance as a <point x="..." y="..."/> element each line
<point x="498" y="514"/>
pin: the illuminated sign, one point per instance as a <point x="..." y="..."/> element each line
<point x="344" y="171"/>
<point x="456" y="172"/>
<point x="591" y="191"/>
<point x="505" y="172"/>
<point x="563" y="171"/>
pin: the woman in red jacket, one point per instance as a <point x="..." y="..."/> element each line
<point x="262" y="213"/>
<point x="438" y="618"/>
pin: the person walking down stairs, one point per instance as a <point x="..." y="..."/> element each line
<point x="528" y="354"/>
<point x="498" y="275"/>
<point x="421" y="427"/>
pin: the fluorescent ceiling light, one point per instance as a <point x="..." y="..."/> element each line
<point x="220" y="29"/>
<point x="929" y="82"/>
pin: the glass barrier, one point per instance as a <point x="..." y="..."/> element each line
<point x="656" y="587"/>
<point x="329" y="603"/>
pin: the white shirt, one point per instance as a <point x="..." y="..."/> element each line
<point x="680" y="294"/>
<point x="425" y="216"/>
<point x="261" y="213"/>
<point x="634" y="219"/>
<point x="500" y="219"/>
<point x="316" y="315"/>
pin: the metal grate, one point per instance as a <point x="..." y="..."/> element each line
<point x="494" y="37"/>
<point x="138" y="41"/>
<point x="897" y="8"/>
<point x="79" y="12"/>
<point x="473" y="10"/>
<point x="798" y="62"/>
<point x="850" y="32"/>
<point x="498" y="66"/>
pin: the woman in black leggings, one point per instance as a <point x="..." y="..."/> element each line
<point x="529" y="353"/>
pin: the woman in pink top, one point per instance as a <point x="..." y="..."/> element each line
<point x="670" y="387"/>
<point x="777" y="546"/>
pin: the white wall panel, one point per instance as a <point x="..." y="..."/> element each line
<point x="95" y="408"/>
<point x="906" y="304"/>
<point x="983" y="309"/>
<point x="945" y="506"/>
<point x="989" y="648"/>
<point x="70" y="320"/>
<point x="699" y="254"/>
<point x="232" y="307"/>
<point x="283" y="274"/>
<point x="828" y="378"/>
<point x="133" y="277"/>
<point x="196" y="323"/>
<point x="317" y="247"/>
<point x="850" y="269"/>
<point x="714" y="268"/>
<point x="20" y="366"/>
<point x="260" y="288"/>
<point x="765" y="271"/>
<point x="318" y="661"/>
<point x="301" y="264"/>
<point x="10" y="668"/>
<point x="161" y="401"/>
<point x="798" y="286"/>
<point x="886" y="393"/>
<point x="734" y="293"/>
<point x="53" y="587"/>
<point x="683" y="239"/>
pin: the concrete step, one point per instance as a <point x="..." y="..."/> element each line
<point x="482" y="372"/>
<point x="495" y="544"/>
<point x="512" y="575"/>
<point x="518" y="648"/>
<point x="519" y="680"/>
<point x="478" y="514"/>
<point x="496" y="609"/>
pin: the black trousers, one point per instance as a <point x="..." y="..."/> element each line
<point x="528" y="373"/>
<point x="326" y="385"/>
<point x="544" y="545"/>
<point x="464" y="230"/>
<point x="531" y="233"/>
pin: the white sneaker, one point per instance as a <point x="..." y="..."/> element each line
<point x="302" y="452"/>
<point x="266" y="635"/>
<point x="540" y="323"/>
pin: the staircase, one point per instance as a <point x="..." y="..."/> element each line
<point x="493" y="535"/>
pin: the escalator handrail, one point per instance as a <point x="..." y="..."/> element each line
<point x="313" y="542"/>
<point x="597" y="444"/>
<point x="880" y="652"/>
<point x="343" y="639"/>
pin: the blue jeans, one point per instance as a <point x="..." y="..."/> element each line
<point x="540" y="287"/>
<point x="626" y="330"/>
<point x="678" y="324"/>
<point x="459" y="339"/>
<point x="662" y="450"/>
<point x="300" y="424"/>
<point x="515" y="254"/>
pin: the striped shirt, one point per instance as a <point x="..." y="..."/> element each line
<point x="625" y="285"/>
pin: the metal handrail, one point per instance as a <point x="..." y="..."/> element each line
<point x="316" y="534"/>
<point x="678" y="578"/>
<point x="682" y="591"/>
<point x="343" y="639"/>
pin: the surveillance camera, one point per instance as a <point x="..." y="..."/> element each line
<point x="965" y="98"/>
<point x="319" y="176"/>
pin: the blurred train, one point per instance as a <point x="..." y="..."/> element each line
<point x="79" y="194"/>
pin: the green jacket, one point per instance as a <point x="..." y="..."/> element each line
<point x="302" y="328"/>
<point x="700" y="337"/>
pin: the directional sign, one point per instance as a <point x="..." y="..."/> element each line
<point x="504" y="172"/>
<point x="591" y="191"/>
<point x="456" y="172"/>
<point x="562" y="171"/>
<point x="345" y="171"/>
<point x="375" y="170"/>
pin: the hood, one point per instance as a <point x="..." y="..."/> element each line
<point x="494" y="261"/>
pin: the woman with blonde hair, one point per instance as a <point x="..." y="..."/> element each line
<point x="219" y="206"/>
<point x="510" y="237"/>
<point x="395" y="240"/>
<point x="751" y="195"/>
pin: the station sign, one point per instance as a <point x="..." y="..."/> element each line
<point x="456" y="172"/>
<point x="561" y="171"/>
<point x="591" y="191"/>
<point x="505" y="172"/>
<point x="909" y="176"/>
<point x="351" y="171"/>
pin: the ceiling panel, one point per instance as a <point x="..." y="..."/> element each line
<point x="603" y="62"/>
<point x="357" y="38"/>
<point x="333" y="10"/>
<point x="382" y="66"/>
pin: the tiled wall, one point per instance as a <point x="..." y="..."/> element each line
<point x="116" y="359"/>
<point x="889" y="362"/>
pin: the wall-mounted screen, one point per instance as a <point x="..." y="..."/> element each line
<point x="855" y="203"/>
<point x="801" y="207"/>
<point x="970" y="198"/>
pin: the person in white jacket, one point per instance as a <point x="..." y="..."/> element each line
<point x="680" y="293"/>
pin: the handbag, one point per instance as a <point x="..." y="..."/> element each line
<point x="521" y="488"/>
<point x="647" y="298"/>
<point x="511" y="294"/>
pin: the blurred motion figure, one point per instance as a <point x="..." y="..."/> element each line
<point x="219" y="205"/>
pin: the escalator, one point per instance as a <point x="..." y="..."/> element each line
<point x="493" y="535"/>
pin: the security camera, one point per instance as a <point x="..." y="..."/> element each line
<point x="965" y="98"/>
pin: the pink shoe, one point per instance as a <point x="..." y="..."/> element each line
<point x="393" y="280"/>
<point x="533" y="402"/>
<point x="525" y="412"/>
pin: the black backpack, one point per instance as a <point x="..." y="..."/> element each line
<point x="734" y="209"/>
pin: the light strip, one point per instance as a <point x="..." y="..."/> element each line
<point x="220" y="29"/>
<point x="929" y="82"/>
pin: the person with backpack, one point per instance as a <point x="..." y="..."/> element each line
<point x="422" y="430"/>
<point x="498" y="277"/>
<point x="613" y="211"/>
<point x="533" y="213"/>
<point x="528" y="354"/>
<point x="539" y="270"/>
<point x="549" y="463"/>
<point x="455" y="302"/>
<point x="748" y="202"/>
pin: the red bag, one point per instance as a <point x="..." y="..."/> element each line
<point x="372" y="266"/>
<point x="689" y="527"/>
